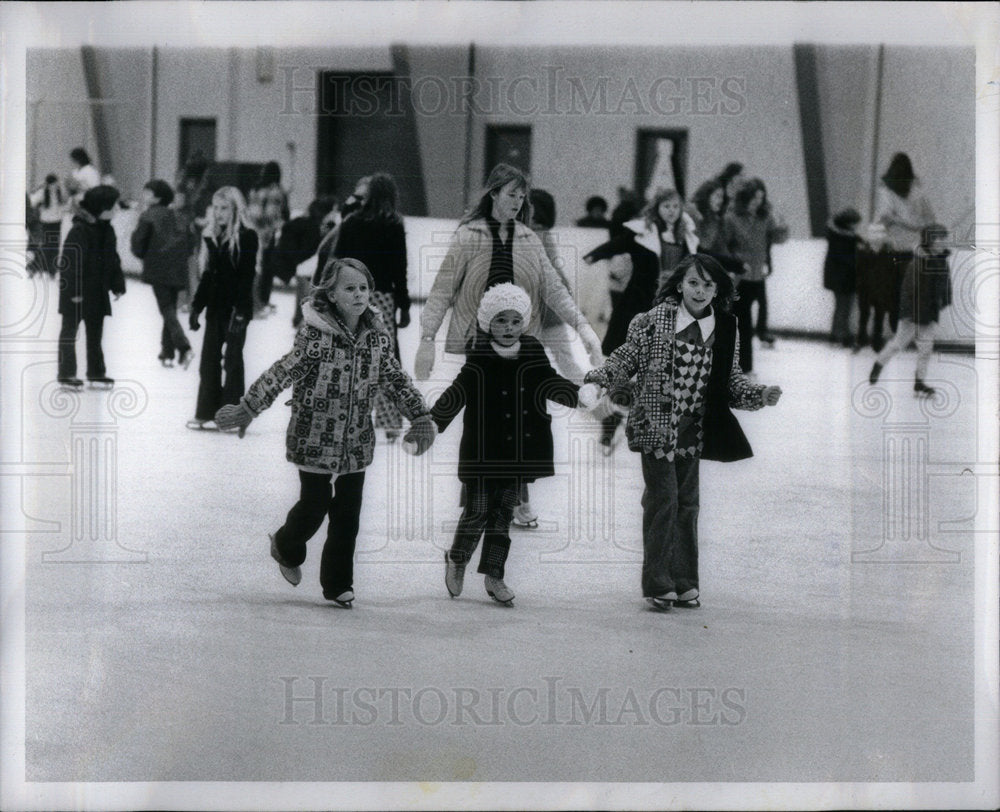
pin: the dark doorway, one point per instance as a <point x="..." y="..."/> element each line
<point x="661" y="161"/>
<point x="197" y="134"/>
<point x="367" y="125"/>
<point x="509" y="145"/>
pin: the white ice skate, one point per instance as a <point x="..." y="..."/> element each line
<point x="662" y="603"/>
<point x="454" y="575"/>
<point x="688" y="600"/>
<point x="70" y="384"/>
<point x="499" y="591"/>
<point x="345" y="600"/>
<point x="102" y="382"/>
<point x="525" y="516"/>
<point x="291" y="574"/>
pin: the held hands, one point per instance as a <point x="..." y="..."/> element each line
<point x="424" y="362"/>
<point x="592" y="343"/>
<point x="420" y="437"/>
<point x="234" y="416"/>
<point x="770" y="395"/>
<point x="589" y="395"/>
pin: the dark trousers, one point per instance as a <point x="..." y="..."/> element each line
<point x="221" y="367"/>
<point x="67" y="345"/>
<point x="265" y="284"/>
<point x="489" y="506"/>
<point x="172" y="338"/>
<point x="840" y="331"/>
<point x="750" y="292"/>
<point x="669" y="525"/>
<point x="48" y="249"/>
<point x="321" y="497"/>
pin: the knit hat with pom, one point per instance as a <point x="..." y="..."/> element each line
<point x="505" y="296"/>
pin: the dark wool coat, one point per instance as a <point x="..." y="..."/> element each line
<point x="926" y="287"/>
<point x="162" y="240"/>
<point x="91" y="267"/>
<point x="840" y="266"/>
<point x="507" y="430"/>
<point x="649" y="354"/>
<point x="298" y="241"/>
<point x="381" y="245"/>
<point x="227" y="283"/>
<point x="878" y="279"/>
<point x="334" y="377"/>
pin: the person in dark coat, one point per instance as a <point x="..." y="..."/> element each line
<point x="924" y="292"/>
<point x="840" y="271"/>
<point x="225" y="293"/>
<point x="162" y="240"/>
<point x="507" y="435"/>
<point x="91" y="271"/>
<point x="597" y="214"/>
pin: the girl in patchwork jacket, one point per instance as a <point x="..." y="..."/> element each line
<point x="342" y="356"/>
<point x="685" y="354"/>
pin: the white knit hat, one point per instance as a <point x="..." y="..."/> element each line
<point x="505" y="296"/>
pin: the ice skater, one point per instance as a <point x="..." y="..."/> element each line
<point x="225" y="293"/>
<point x="91" y="270"/>
<point x="341" y="356"/>
<point x="506" y="434"/>
<point x="926" y="290"/>
<point x="685" y="354"/>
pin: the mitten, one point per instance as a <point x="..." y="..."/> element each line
<point x="234" y="416"/>
<point x="424" y="362"/>
<point x="420" y="437"/>
<point x="589" y="395"/>
<point x="193" y="321"/>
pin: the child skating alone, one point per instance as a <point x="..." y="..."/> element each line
<point x="342" y="355"/>
<point x="685" y="354"/>
<point x="925" y="292"/>
<point x="506" y="434"/>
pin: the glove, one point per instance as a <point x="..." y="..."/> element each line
<point x="420" y="436"/>
<point x="234" y="416"/>
<point x="193" y="322"/>
<point x="589" y="395"/>
<point x="424" y="362"/>
<point x="592" y="343"/>
<point x="404" y="318"/>
<point x="606" y="407"/>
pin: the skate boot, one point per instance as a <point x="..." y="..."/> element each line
<point x="291" y="574"/>
<point x="525" y="516"/>
<point x="499" y="591"/>
<point x="920" y="388"/>
<point x="185" y="359"/>
<point x="71" y="384"/>
<point x="767" y="341"/>
<point x="100" y="382"/>
<point x="166" y="360"/>
<point x="202" y="425"/>
<point x="688" y="600"/>
<point x="873" y="375"/>
<point x="345" y="599"/>
<point x="454" y="575"/>
<point x="662" y="603"/>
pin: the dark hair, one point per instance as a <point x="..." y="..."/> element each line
<point x="595" y="201"/>
<point x="731" y="170"/>
<point x="49" y="180"/>
<point x="932" y="232"/>
<point x="99" y="199"/>
<point x="79" y="154"/>
<point x="704" y="193"/>
<point x="382" y="200"/>
<point x="746" y="193"/>
<point x="707" y="268"/>
<point x="270" y="174"/>
<point x="543" y="208"/>
<point x="652" y="213"/>
<point x="161" y="190"/>
<point x="321" y="207"/>
<point x="846" y="218"/>
<point x="500" y="176"/>
<point x="899" y="176"/>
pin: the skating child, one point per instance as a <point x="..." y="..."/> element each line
<point x="925" y="291"/>
<point x="685" y="354"/>
<point x="342" y="355"/>
<point x="225" y="293"/>
<point x="91" y="269"/>
<point x="506" y="434"/>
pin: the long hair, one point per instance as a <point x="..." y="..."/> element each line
<point x="228" y="234"/>
<point x="500" y="176"/>
<point x="703" y="195"/>
<point x="52" y="183"/>
<point x="708" y="269"/>
<point x="543" y="208"/>
<point x="746" y="193"/>
<point x="319" y="295"/>
<point x="652" y="214"/>
<point x="382" y="200"/>
<point x="899" y="176"/>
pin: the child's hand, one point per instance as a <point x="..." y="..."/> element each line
<point x="589" y="395"/>
<point x="420" y="437"/>
<point x="424" y="362"/>
<point x="770" y="395"/>
<point x="234" y="416"/>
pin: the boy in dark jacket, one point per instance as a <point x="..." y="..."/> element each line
<point x="91" y="269"/>
<point x="507" y="434"/>
<point x="162" y="240"/>
<point x="840" y="270"/>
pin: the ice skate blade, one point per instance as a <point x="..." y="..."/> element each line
<point x="694" y="603"/>
<point x="291" y="574"/>
<point x="509" y="602"/>
<point x="345" y="600"/>
<point x="659" y="604"/>
<point x="202" y="425"/>
<point x="99" y="386"/>
<point x="527" y="524"/>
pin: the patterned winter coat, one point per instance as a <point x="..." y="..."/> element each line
<point x="648" y="353"/>
<point x="334" y="376"/>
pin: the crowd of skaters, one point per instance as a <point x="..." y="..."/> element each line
<point x="683" y="276"/>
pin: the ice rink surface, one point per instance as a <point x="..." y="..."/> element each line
<point x="835" y="642"/>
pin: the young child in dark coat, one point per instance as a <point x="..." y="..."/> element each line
<point x="685" y="354"/>
<point x="506" y="434"/>
<point x="840" y="271"/>
<point x="91" y="269"/>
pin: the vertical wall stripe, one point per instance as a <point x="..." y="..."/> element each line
<point x="877" y="124"/>
<point x="153" y="100"/>
<point x="401" y="70"/>
<point x="471" y="73"/>
<point x="105" y="160"/>
<point x="814" y="163"/>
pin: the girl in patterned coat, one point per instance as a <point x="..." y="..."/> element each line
<point x="341" y="357"/>
<point x="685" y="354"/>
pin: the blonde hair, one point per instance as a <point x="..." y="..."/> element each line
<point x="228" y="234"/>
<point x="319" y="296"/>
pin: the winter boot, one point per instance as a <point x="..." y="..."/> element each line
<point x="873" y="375"/>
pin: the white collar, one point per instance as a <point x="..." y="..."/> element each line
<point x="507" y="352"/>
<point x="706" y="323"/>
